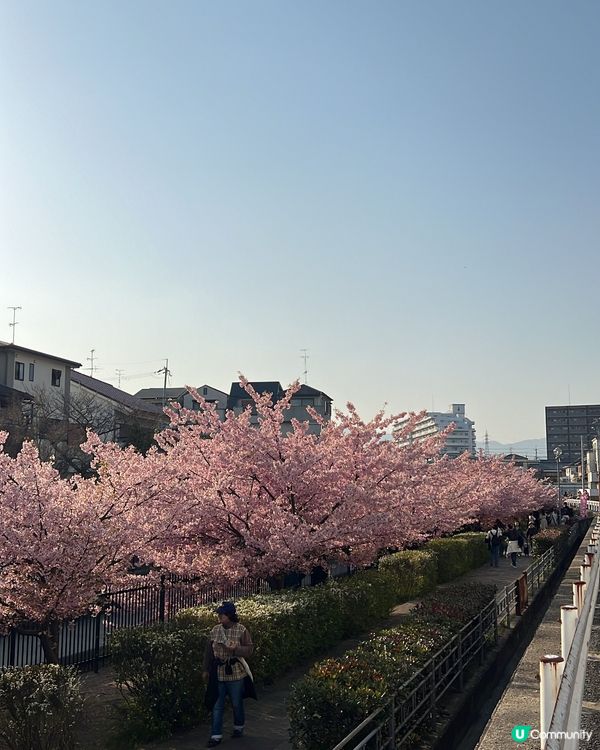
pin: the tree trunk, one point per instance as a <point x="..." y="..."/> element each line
<point x="49" y="640"/>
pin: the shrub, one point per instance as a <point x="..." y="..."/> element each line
<point x="337" y="694"/>
<point x="455" y="605"/>
<point x="159" y="673"/>
<point x="552" y="537"/>
<point x="416" y="572"/>
<point x="458" y="554"/>
<point x="39" y="707"/>
<point x="288" y="627"/>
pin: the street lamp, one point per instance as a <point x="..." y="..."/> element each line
<point x="557" y="455"/>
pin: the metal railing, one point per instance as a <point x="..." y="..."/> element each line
<point x="417" y="700"/>
<point x="562" y="678"/>
<point x="85" y="642"/>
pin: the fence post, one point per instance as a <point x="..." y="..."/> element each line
<point x="480" y="636"/>
<point x="568" y="623"/>
<point x="495" y="621"/>
<point x="460" y="660"/>
<point x="551" y="669"/>
<point x="579" y="588"/>
<point x="433" y="689"/>
<point x="393" y="721"/>
<point x="99" y="617"/>
<point x="13" y="648"/>
<point x="161" y="599"/>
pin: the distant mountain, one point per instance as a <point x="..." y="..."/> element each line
<point x="522" y="447"/>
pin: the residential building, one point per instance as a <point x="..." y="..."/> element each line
<point x="568" y="426"/>
<point x="162" y="396"/>
<point x="306" y="396"/>
<point x="113" y="414"/>
<point x="461" y="440"/>
<point x="31" y="372"/>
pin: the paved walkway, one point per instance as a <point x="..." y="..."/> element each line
<point x="266" y="719"/>
<point x="519" y="703"/>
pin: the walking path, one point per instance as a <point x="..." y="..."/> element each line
<point x="519" y="703"/>
<point x="266" y="719"/>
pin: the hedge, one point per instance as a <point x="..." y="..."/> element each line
<point x="556" y="537"/>
<point x="337" y="694"/>
<point x="39" y="707"/>
<point x="458" y="554"/>
<point x="158" y="668"/>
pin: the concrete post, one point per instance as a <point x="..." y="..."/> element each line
<point x="585" y="571"/>
<point x="579" y="588"/>
<point x="551" y="669"/>
<point x="568" y="623"/>
<point x="589" y="558"/>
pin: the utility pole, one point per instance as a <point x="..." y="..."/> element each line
<point x="167" y="373"/>
<point x="90" y="359"/>
<point x="14" y="323"/>
<point x="119" y="373"/>
<point x="305" y="357"/>
<point x="487" y="444"/>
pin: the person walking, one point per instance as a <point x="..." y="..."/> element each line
<point x="514" y="547"/>
<point x="225" y="671"/>
<point x="494" y="542"/>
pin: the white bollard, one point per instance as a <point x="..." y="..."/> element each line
<point x="568" y="623"/>
<point x="551" y="669"/>
<point x="584" y="572"/>
<point x="579" y="588"/>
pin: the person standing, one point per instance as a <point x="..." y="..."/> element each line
<point x="494" y="541"/>
<point x="225" y="671"/>
<point x="513" y="544"/>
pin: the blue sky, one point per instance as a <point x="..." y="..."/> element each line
<point x="408" y="190"/>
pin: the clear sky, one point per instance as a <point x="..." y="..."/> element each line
<point x="410" y="190"/>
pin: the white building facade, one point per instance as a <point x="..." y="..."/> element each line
<point x="460" y="440"/>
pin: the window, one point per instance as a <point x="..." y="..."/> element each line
<point x="56" y="377"/>
<point x="204" y="391"/>
<point x="19" y="370"/>
<point x="31" y="372"/>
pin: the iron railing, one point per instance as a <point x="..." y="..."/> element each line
<point x="417" y="701"/>
<point x="85" y="641"/>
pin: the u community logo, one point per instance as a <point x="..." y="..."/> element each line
<point x="520" y="732"/>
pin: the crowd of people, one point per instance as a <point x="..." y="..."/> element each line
<point x="516" y="538"/>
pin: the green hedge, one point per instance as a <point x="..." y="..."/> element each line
<point x="159" y="669"/>
<point x="159" y="673"/>
<point x="458" y="554"/>
<point x="337" y="694"/>
<point x="39" y="707"/>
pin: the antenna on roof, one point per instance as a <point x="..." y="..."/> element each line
<point x="12" y="325"/>
<point x="305" y="357"/>
<point x="90" y="359"/>
<point x="119" y="373"/>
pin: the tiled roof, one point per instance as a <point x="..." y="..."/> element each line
<point x="114" y="394"/>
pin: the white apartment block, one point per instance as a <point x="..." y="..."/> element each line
<point x="460" y="440"/>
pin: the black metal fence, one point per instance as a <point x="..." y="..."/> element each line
<point x="85" y="642"/>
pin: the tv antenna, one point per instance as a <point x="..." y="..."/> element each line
<point x="305" y="357"/>
<point x="119" y="373"/>
<point x="14" y="323"/>
<point x="90" y="359"/>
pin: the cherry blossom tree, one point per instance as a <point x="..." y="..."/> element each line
<point x="63" y="542"/>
